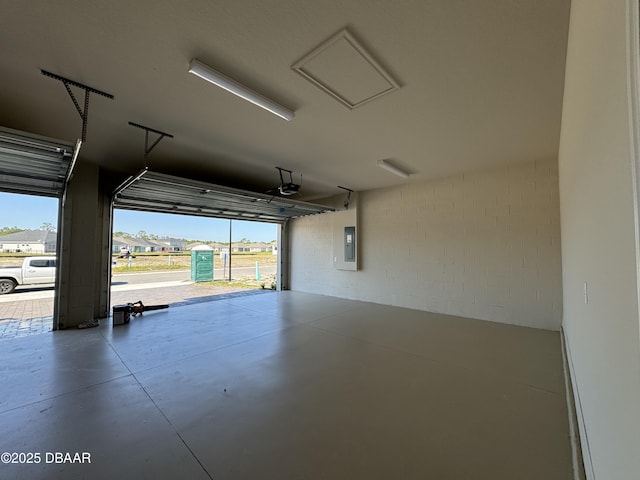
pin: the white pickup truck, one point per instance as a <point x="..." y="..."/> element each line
<point x="34" y="270"/>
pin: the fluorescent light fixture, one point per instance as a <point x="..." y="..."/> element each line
<point x="393" y="169"/>
<point x="230" y="85"/>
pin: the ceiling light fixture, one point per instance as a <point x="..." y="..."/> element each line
<point x="393" y="169"/>
<point x="230" y="85"/>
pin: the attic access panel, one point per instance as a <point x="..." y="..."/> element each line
<point x="161" y="193"/>
<point x="343" y="68"/>
<point x="32" y="164"/>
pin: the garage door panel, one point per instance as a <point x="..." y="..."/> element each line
<point x="33" y="164"/>
<point x="156" y="192"/>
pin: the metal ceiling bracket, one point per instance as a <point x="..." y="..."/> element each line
<point x="348" y="200"/>
<point x="84" y="114"/>
<point x="147" y="148"/>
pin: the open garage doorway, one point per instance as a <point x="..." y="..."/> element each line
<point x="154" y="258"/>
<point x="158" y="193"/>
<point x="34" y="174"/>
<point x="28" y="242"/>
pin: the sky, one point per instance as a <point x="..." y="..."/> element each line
<point x="31" y="212"/>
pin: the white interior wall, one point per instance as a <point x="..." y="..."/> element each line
<point x="483" y="245"/>
<point x="598" y="239"/>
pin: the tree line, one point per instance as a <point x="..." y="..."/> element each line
<point x="8" y="230"/>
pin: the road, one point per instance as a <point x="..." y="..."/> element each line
<point x="136" y="281"/>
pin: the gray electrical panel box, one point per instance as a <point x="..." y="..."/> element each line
<point x="349" y="244"/>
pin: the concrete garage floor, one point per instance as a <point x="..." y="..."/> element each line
<point x="287" y="386"/>
<point x="34" y="315"/>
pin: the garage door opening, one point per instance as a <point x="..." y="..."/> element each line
<point x="159" y="193"/>
<point x="154" y="257"/>
<point x="28" y="242"/>
<point x="34" y="173"/>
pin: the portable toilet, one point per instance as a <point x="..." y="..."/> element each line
<point x="202" y="263"/>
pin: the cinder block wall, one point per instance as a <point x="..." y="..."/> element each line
<point x="483" y="245"/>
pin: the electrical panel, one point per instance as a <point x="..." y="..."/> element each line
<point x="349" y="244"/>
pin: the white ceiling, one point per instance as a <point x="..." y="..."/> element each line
<point x="481" y="85"/>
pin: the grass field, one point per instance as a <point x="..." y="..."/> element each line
<point x="15" y="259"/>
<point x="148" y="262"/>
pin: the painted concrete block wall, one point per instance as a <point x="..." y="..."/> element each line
<point x="599" y="240"/>
<point x="78" y="261"/>
<point x="483" y="245"/>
